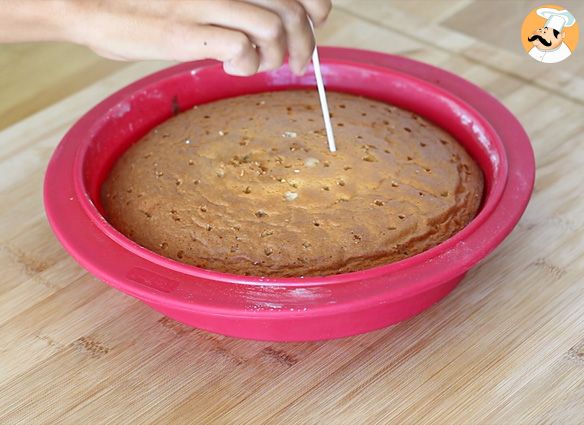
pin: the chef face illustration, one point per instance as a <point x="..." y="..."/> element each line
<point x="548" y="40"/>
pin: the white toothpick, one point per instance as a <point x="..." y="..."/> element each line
<point x="323" y="103"/>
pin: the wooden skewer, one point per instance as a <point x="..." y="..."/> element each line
<point x="323" y="102"/>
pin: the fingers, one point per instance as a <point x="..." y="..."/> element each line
<point x="233" y="48"/>
<point x="299" y="37"/>
<point x="263" y="27"/>
<point x="317" y="10"/>
<point x="274" y="26"/>
<point x="239" y="55"/>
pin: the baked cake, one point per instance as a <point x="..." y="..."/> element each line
<point x="248" y="186"/>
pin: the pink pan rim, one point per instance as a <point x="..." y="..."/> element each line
<point x="112" y="257"/>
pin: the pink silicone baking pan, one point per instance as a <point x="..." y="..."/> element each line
<point x="288" y="309"/>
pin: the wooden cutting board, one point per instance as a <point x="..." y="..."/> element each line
<point x="507" y="346"/>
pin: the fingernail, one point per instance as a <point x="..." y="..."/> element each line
<point x="303" y="69"/>
<point x="231" y="69"/>
<point x="297" y="67"/>
<point x="228" y="68"/>
<point x="264" y="67"/>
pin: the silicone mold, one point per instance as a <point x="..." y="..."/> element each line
<point x="288" y="309"/>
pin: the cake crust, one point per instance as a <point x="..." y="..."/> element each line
<point x="247" y="186"/>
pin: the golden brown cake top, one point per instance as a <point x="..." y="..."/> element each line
<point x="247" y="186"/>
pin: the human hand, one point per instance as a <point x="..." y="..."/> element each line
<point x="246" y="35"/>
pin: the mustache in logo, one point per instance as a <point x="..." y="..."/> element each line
<point x="541" y="40"/>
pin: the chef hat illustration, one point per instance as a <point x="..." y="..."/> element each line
<point x="556" y="19"/>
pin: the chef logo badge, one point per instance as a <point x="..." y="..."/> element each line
<point x="549" y="34"/>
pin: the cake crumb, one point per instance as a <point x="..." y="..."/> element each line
<point x="311" y="162"/>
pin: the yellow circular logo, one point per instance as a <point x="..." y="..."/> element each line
<point x="549" y="34"/>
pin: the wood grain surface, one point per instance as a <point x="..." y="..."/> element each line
<point x="506" y="347"/>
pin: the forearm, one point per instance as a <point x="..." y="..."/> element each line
<point x="35" y="20"/>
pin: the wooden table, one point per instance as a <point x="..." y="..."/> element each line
<point x="507" y="346"/>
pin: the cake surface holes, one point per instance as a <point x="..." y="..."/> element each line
<point x="247" y="186"/>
